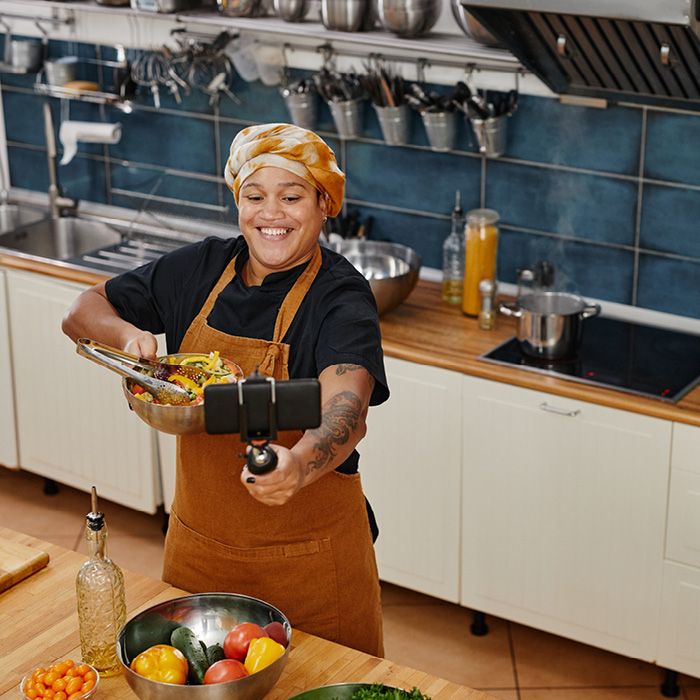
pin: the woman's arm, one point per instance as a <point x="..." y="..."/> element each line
<point x="92" y="316"/>
<point x="345" y="393"/>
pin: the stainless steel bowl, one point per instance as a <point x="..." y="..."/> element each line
<point x="291" y="10"/>
<point x="391" y="268"/>
<point x="472" y="27"/>
<point x="244" y="8"/>
<point x="210" y="616"/>
<point x="176" y="420"/>
<point x="409" y="18"/>
<point x="344" y="15"/>
<point x="339" y="691"/>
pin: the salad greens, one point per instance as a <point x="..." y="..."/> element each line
<point x="382" y="692"/>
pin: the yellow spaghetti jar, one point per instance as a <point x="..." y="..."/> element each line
<point x="481" y="234"/>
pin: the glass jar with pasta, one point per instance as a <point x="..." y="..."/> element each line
<point x="481" y="246"/>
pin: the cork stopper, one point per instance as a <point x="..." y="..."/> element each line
<point x="95" y="519"/>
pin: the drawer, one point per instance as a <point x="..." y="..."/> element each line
<point x="683" y="531"/>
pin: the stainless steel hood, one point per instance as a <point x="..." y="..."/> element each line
<point x="623" y="50"/>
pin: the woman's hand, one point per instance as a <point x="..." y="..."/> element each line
<point x="142" y="344"/>
<point x="277" y="486"/>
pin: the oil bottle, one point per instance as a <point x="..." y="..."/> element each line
<point x="101" y="603"/>
<point x="453" y="257"/>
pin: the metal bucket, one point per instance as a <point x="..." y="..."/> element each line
<point x="491" y="135"/>
<point x="347" y="115"/>
<point x="395" y="124"/>
<point x="441" y="128"/>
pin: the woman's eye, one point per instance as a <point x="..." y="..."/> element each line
<point x="254" y="198"/>
<point x="291" y="198"/>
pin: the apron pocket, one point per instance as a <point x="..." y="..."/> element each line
<point x="299" y="578"/>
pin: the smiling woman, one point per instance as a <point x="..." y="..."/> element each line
<point x="299" y="537"/>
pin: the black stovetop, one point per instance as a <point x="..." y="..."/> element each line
<point x="639" y="359"/>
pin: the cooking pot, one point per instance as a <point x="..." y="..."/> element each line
<point x="549" y="323"/>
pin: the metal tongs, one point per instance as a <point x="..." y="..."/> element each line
<point x="126" y="365"/>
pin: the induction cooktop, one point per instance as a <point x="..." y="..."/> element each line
<point x="645" y="360"/>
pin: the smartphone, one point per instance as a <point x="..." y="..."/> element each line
<point x="248" y="408"/>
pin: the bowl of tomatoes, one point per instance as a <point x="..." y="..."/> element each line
<point x="186" y="418"/>
<point x="207" y="646"/>
<point x="64" y="679"/>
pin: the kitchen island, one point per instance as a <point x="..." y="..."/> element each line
<point x="39" y="622"/>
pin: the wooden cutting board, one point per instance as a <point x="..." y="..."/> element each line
<point x="17" y="561"/>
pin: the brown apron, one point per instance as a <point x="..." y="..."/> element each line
<point x="312" y="557"/>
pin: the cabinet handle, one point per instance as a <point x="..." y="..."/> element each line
<point x="559" y="411"/>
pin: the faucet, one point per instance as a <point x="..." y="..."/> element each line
<point x="58" y="204"/>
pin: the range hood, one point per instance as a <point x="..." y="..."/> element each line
<point x="622" y="50"/>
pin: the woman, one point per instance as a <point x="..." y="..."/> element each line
<point x="299" y="536"/>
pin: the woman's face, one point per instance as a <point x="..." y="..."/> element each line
<point x="280" y="215"/>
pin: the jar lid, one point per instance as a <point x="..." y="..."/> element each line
<point x="482" y="216"/>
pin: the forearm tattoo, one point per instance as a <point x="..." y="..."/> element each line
<point x="341" y="417"/>
<point x="342" y="369"/>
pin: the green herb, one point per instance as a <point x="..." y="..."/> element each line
<point x="383" y="692"/>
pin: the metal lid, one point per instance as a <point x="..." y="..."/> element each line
<point x="482" y="217"/>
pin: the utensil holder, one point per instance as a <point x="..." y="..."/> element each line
<point x="61" y="70"/>
<point x="395" y="124"/>
<point x="303" y="108"/>
<point x="491" y="135"/>
<point x="347" y="115"/>
<point x="441" y="128"/>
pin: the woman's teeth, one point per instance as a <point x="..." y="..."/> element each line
<point x="274" y="231"/>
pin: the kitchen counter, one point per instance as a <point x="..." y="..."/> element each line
<point x="427" y="331"/>
<point x="40" y="625"/>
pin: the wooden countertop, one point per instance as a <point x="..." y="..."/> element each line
<point x="427" y="331"/>
<point x="39" y="625"/>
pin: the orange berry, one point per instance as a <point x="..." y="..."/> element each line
<point x="60" y="695"/>
<point x="82" y="669"/>
<point x="75" y="696"/>
<point x="40" y="689"/>
<point x="49" y="678"/>
<point x="59" y="684"/>
<point x="90" y="676"/>
<point x="88" y="685"/>
<point x="31" y="693"/>
<point x="74" y="685"/>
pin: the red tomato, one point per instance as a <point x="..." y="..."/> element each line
<point x="137" y="389"/>
<point x="275" y="630"/>
<point x="238" y="639"/>
<point x="224" y="670"/>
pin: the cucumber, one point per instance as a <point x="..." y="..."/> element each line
<point x="215" y="652"/>
<point x="184" y="639"/>
<point x="151" y="629"/>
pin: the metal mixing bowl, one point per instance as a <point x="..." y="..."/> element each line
<point x="409" y="18"/>
<point x="339" y="691"/>
<point x="210" y="616"/>
<point x="391" y="268"/>
<point x="472" y="27"/>
<point x="176" y="420"/>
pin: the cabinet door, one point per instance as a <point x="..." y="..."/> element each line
<point x="8" y="439"/>
<point x="563" y="515"/>
<point x="410" y="464"/>
<point x="679" y="642"/>
<point x="73" y="421"/>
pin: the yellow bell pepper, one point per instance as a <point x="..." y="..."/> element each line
<point x="193" y="358"/>
<point x="261" y="653"/>
<point x="161" y="663"/>
<point x="213" y="359"/>
<point x="186" y="382"/>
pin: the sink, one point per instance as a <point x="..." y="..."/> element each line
<point x="86" y="243"/>
<point x="13" y="216"/>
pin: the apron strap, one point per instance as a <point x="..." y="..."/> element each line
<point x="295" y="296"/>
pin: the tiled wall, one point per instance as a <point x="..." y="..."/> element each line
<point x="611" y="196"/>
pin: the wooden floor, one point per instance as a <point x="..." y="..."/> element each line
<point x="512" y="662"/>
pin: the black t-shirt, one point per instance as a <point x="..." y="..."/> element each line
<point x="336" y="323"/>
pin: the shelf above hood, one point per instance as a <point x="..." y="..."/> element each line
<point x="619" y="50"/>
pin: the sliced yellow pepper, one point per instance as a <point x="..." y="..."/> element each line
<point x="213" y="359"/>
<point x="162" y="663"/>
<point x="186" y="382"/>
<point x="194" y="358"/>
<point x="261" y="653"/>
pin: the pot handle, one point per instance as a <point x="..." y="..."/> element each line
<point x="511" y="310"/>
<point x="590" y="310"/>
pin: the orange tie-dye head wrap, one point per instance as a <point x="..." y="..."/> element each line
<point x="292" y="148"/>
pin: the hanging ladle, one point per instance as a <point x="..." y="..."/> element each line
<point x="123" y="363"/>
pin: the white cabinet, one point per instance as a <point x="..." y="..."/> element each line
<point x="73" y="423"/>
<point x="679" y="642"/>
<point x="410" y="463"/>
<point x="563" y="512"/>
<point x="8" y="438"/>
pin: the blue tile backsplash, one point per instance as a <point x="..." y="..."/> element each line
<point x="610" y="196"/>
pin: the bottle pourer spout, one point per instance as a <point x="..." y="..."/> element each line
<point x="95" y="519"/>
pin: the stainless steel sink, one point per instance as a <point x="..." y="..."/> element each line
<point x="13" y="216"/>
<point x="86" y="243"/>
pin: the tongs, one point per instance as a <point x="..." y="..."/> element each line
<point x="125" y="364"/>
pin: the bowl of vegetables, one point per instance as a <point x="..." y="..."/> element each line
<point x="187" y="418"/>
<point x="360" y="691"/>
<point x="72" y="678"/>
<point x="207" y="646"/>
